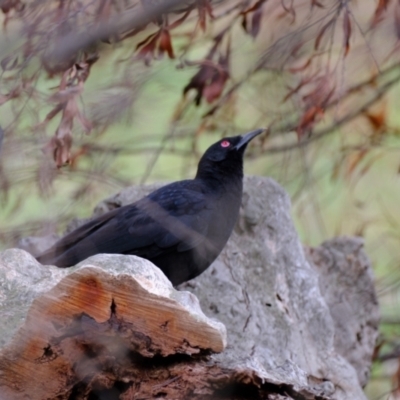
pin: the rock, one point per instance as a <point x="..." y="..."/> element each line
<point x="346" y="283"/>
<point x="37" y="245"/>
<point x="22" y="280"/>
<point x="105" y="308"/>
<point x="298" y="325"/>
<point x="263" y="288"/>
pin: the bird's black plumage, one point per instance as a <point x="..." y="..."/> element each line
<point x="181" y="227"/>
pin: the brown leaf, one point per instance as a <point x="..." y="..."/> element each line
<point x="66" y="99"/>
<point x="209" y="82"/>
<point x="397" y="19"/>
<point x="256" y="21"/>
<point x="198" y="82"/>
<point x="60" y="147"/>
<point x="104" y="10"/>
<point x="147" y="40"/>
<point x="254" y="7"/>
<point x="321" y="93"/>
<point x="160" y="41"/>
<point x="214" y="90"/>
<point x="180" y="20"/>
<point x="212" y="76"/>
<point x="380" y="9"/>
<point x="289" y="8"/>
<point x="86" y="124"/>
<point x="7" y="64"/>
<point x="377" y="120"/>
<point x="67" y="94"/>
<point x="396" y="382"/>
<point x="308" y="120"/>
<point x="7" y="5"/>
<point x="322" y="33"/>
<point x="3" y="99"/>
<point x="354" y="159"/>
<point x="316" y="3"/>
<point x="227" y="96"/>
<point x="204" y="8"/>
<point x="53" y="113"/>
<point x="244" y="23"/>
<point x="14" y="93"/>
<point x="377" y="349"/>
<point x="256" y="10"/>
<point x="346" y="31"/>
<point x="296" y="89"/>
<point x="74" y="158"/>
<point x="301" y="68"/>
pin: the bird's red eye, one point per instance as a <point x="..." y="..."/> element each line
<point x="225" y="143"/>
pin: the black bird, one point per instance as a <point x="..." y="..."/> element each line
<point x="181" y="227"/>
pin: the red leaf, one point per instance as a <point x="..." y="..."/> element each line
<point x="147" y="51"/>
<point x="165" y="45"/>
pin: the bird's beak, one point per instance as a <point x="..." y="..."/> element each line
<point x="247" y="137"/>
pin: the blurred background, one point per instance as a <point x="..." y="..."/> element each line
<point x="99" y="95"/>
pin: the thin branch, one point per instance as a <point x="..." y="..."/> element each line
<point x="69" y="45"/>
<point x="337" y="124"/>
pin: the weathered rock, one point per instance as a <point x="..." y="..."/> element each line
<point x="22" y="280"/>
<point x="37" y="245"/>
<point x="105" y="308"/>
<point x="268" y="296"/>
<point x="283" y="313"/>
<point x="275" y="304"/>
<point x="346" y="283"/>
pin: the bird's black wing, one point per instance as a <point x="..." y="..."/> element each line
<point x="75" y="237"/>
<point x="177" y="216"/>
<point x="174" y="217"/>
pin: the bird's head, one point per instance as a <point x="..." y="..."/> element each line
<point x="226" y="154"/>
